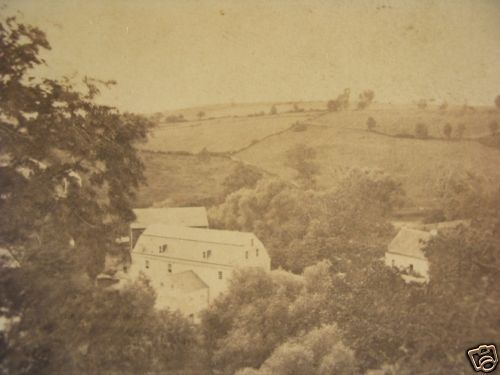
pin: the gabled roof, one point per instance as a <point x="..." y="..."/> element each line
<point x="182" y="216"/>
<point x="7" y="260"/>
<point x="410" y="242"/>
<point x="187" y="281"/>
<point x="225" y="237"/>
<point x="444" y="225"/>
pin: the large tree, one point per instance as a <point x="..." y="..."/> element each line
<point x="68" y="171"/>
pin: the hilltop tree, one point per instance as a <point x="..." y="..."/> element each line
<point x="200" y="114"/>
<point x="273" y="110"/>
<point x="447" y="130"/>
<point x="371" y="123"/>
<point x="365" y="99"/>
<point x="341" y="103"/>
<point x="333" y="105"/>
<point x="493" y="126"/>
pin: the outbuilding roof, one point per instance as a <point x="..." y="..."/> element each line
<point x="186" y="282"/>
<point x="215" y="236"/>
<point x="410" y="242"/>
<point x="181" y="216"/>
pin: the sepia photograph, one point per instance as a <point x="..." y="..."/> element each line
<point x="259" y="187"/>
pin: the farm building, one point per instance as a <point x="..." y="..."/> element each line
<point x="405" y="252"/>
<point x="195" y="217"/>
<point x="190" y="267"/>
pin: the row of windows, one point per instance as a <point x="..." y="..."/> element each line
<point x="169" y="269"/>
<point x="256" y="253"/>
<point x="206" y="254"/>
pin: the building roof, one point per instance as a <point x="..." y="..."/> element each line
<point x="7" y="260"/>
<point x="410" y="242"/>
<point x="181" y="216"/>
<point x="225" y="237"/>
<point x="444" y="225"/>
<point x="186" y="282"/>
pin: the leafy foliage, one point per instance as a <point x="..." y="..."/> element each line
<point x="68" y="173"/>
<point x="241" y="176"/>
<point x="300" y="227"/>
<point x="301" y="158"/>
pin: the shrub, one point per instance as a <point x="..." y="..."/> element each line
<point x="371" y="123"/>
<point x="421" y="131"/>
<point x="447" y="130"/>
<point x="299" y="127"/>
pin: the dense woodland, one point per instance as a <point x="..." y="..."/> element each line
<point x="69" y="173"/>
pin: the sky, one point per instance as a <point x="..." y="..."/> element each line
<point x="176" y="54"/>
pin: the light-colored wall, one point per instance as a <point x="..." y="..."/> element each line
<point x="188" y="303"/>
<point x="185" y="255"/>
<point x="226" y="254"/>
<point x="158" y="271"/>
<point x="420" y="266"/>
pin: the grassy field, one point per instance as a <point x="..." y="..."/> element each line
<point x="418" y="164"/>
<point x="220" y="134"/>
<point x="181" y="180"/>
<point x="341" y="141"/>
<point x="400" y="119"/>
<point x="238" y="109"/>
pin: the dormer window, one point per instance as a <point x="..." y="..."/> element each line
<point x="220" y="275"/>
<point x="147" y="263"/>
<point x="163" y="248"/>
<point x="169" y="268"/>
<point x="209" y="252"/>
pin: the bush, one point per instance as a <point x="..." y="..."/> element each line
<point x="447" y="130"/>
<point x="421" y="131"/>
<point x="299" y="127"/>
<point x="371" y="123"/>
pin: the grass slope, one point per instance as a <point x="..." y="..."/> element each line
<point x="218" y="135"/>
<point x="181" y="180"/>
<point x="342" y="143"/>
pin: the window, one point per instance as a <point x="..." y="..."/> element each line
<point x="209" y="252"/>
<point x="204" y="255"/>
<point x="256" y="252"/>
<point x="147" y="263"/>
<point x="169" y="268"/>
<point x="220" y="275"/>
<point x="163" y="248"/>
<point x="246" y="254"/>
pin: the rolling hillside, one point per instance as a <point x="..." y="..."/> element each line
<point x="341" y="141"/>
